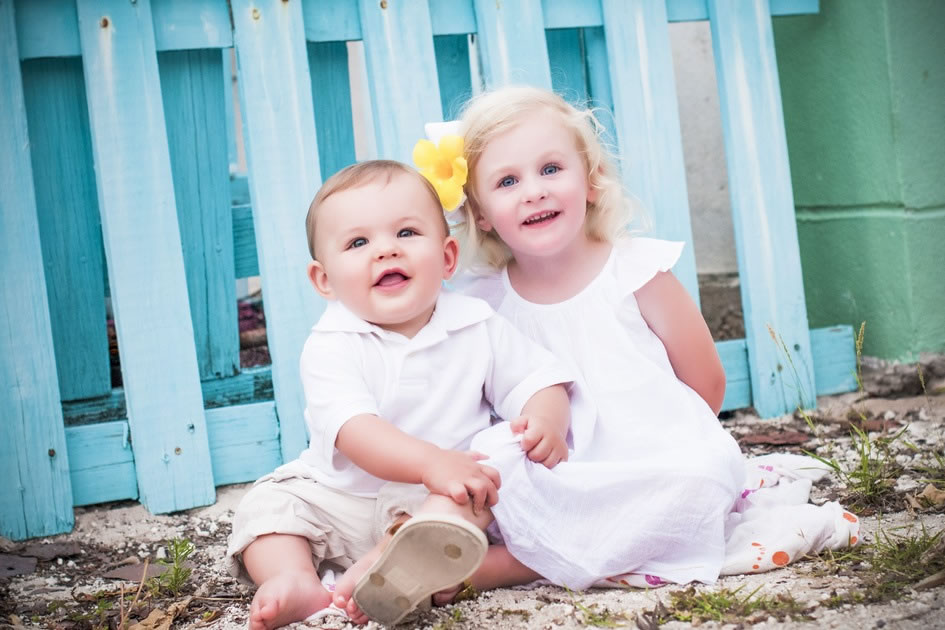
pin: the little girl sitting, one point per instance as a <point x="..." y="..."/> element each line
<point x="544" y="238"/>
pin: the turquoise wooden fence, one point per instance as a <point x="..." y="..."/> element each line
<point x="117" y="127"/>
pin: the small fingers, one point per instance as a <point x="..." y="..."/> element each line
<point x="492" y="474"/>
<point x="519" y="424"/>
<point x="476" y="456"/>
<point x="459" y="493"/>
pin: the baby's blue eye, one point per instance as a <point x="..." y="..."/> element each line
<point x="358" y="242"/>
<point x="406" y="232"/>
<point x="506" y="181"/>
<point x="550" y="169"/>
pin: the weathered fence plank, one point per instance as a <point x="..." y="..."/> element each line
<point x="143" y="254"/>
<point x="398" y="52"/>
<point x="512" y="46"/>
<point x="331" y="98"/>
<point x="36" y="496"/>
<point x="67" y="206"/>
<point x="647" y="121"/>
<point x="282" y="151"/>
<point x="193" y="92"/>
<point x="762" y="207"/>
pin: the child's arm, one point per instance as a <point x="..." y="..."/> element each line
<point x="544" y="426"/>
<point x="385" y="451"/>
<point x="677" y="321"/>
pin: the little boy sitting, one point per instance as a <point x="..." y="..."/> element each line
<point x="398" y="376"/>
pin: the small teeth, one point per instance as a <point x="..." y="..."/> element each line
<point x="541" y="217"/>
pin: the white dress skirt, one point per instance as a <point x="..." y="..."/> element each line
<point x="651" y="475"/>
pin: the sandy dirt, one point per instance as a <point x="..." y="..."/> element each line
<point x="69" y="586"/>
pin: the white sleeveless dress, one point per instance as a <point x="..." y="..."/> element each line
<point x="651" y="475"/>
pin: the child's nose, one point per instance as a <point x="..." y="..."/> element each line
<point x="534" y="190"/>
<point x="387" y="249"/>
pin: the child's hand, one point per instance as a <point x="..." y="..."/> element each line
<point x="461" y="477"/>
<point x="540" y="440"/>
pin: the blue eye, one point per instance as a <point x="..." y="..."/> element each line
<point x="358" y="242"/>
<point x="406" y="232"/>
<point x="505" y="182"/>
<point x="550" y="169"/>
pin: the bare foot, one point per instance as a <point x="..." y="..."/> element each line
<point x="448" y="596"/>
<point x="345" y="586"/>
<point x="285" y="598"/>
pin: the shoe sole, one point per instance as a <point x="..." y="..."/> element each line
<point x="427" y="554"/>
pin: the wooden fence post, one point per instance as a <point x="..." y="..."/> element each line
<point x="143" y="254"/>
<point x="36" y="495"/>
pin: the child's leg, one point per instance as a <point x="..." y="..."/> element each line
<point x="434" y="504"/>
<point x="289" y="588"/>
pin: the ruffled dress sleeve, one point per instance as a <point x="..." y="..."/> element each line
<point x="639" y="259"/>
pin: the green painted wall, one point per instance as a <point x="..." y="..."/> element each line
<point x="863" y="87"/>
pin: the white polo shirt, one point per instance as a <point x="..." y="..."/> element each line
<point x="438" y="386"/>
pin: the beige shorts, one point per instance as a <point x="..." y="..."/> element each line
<point x="339" y="527"/>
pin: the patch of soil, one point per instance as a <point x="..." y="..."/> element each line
<point x="69" y="587"/>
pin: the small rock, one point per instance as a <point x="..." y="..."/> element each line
<point x="889" y="415"/>
<point x="161" y="553"/>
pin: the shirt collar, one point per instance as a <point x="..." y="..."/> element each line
<point x="453" y="311"/>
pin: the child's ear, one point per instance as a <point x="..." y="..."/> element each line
<point x="319" y="280"/>
<point x="593" y="194"/>
<point x="450" y="256"/>
<point x="483" y="223"/>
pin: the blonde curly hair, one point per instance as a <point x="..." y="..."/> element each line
<point x="496" y="111"/>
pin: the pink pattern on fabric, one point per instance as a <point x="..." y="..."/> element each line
<point x="652" y="580"/>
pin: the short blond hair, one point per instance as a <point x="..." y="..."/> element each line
<point x="361" y="174"/>
<point x="495" y="112"/>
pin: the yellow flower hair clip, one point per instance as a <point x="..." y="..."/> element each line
<point x="444" y="166"/>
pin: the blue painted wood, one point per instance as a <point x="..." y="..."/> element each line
<point x="398" y="53"/>
<point x="36" y="496"/>
<point x="598" y="81"/>
<point x="279" y="126"/>
<point x="834" y="361"/>
<point x="193" y="93"/>
<point x="47" y="28"/>
<point x="67" y="207"/>
<point x="834" y="356"/>
<point x="143" y="254"/>
<point x="647" y="121"/>
<point x="453" y="73"/>
<point x="244" y="446"/>
<point x="572" y="13"/>
<point x="101" y="463"/>
<point x="190" y="25"/>
<point x="512" y="44"/>
<point x="331" y="98"/>
<point x="452" y="17"/>
<point x="762" y="205"/>
<point x="567" y="62"/>
<point x="734" y="356"/>
<point x="245" y="259"/>
<point x="331" y="20"/>
<point x="244" y="442"/>
<point x="250" y="385"/>
<point x="229" y="97"/>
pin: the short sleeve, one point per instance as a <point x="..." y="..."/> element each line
<point x="520" y="368"/>
<point x="334" y="387"/>
<point x="639" y="259"/>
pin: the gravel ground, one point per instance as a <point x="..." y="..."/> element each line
<point x="77" y="579"/>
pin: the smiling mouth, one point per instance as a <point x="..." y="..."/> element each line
<point x="391" y="279"/>
<point x="541" y="217"/>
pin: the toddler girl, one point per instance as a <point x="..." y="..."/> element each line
<point x="652" y="475"/>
